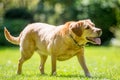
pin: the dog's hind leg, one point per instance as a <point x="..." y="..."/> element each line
<point x="21" y="61"/>
<point x="23" y="58"/>
<point x="26" y="53"/>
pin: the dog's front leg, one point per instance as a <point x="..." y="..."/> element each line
<point x="53" y="61"/>
<point x="81" y="60"/>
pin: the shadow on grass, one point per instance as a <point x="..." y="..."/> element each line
<point x="57" y="76"/>
<point x="81" y="76"/>
<point x="70" y="76"/>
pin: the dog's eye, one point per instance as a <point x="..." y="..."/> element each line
<point x="87" y="27"/>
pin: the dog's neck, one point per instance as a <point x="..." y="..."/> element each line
<point x="77" y="44"/>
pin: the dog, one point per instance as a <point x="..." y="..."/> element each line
<point x="60" y="42"/>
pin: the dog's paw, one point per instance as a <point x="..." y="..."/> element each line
<point x="18" y="72"/>
<point x="54" y="74"/>
<point x="88" y="75"/>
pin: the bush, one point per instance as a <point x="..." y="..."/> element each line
<point x="15" y="20"/>
<point x="18" y="13"/>
<point x="103" y="18"/>
<point x="101" y="12"/>
<point x="14" y="26"/>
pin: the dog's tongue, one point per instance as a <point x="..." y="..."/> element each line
<point x="97" y="41"/>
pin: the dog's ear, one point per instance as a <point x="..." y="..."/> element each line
<point x="88" y="20"/>
<point x="76" y="27"/>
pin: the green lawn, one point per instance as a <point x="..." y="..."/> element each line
<point x="103" y="63"/>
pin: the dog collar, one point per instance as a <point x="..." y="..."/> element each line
<point x="76" y="41"/>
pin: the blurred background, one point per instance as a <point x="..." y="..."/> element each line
<point x="16" y="14"/>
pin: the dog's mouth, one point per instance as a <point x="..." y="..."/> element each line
<point x="94" y="40"/>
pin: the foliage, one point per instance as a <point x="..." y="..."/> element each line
<point x="15" y="26"/>
<point x="18" y="13"/>
<point x="103" y="63"/>
<point x="29" y="4"/>
<point x="101" y="12"/>
<point x="116" y="41"/>
<point x="104" y="13"/>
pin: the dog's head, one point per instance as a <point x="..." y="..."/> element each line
<point x="87" y="30"/>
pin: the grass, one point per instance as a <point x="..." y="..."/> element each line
<point x="103" y="63"/>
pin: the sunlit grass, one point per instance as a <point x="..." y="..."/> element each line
<point x="103" y="63"/>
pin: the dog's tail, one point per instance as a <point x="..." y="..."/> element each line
<point x="10" y="38"/>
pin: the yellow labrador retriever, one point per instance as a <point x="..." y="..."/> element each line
<point x="60" y="42"/>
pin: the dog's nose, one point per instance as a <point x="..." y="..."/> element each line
<point x="99" y="32"/>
